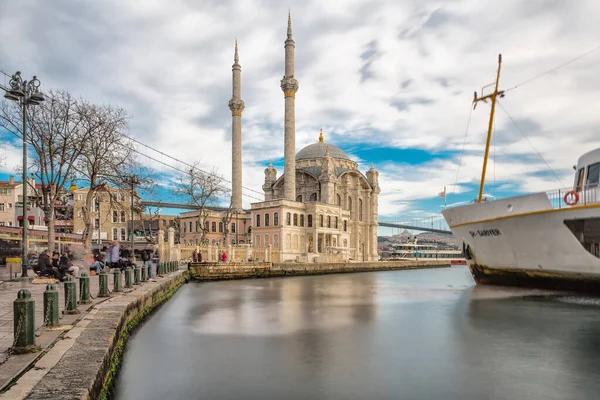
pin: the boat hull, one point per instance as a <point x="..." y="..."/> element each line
<point x="524" y="241"/>
<point x="534" y="279"/>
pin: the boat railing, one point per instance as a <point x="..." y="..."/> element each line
<point x="565" y="198"/>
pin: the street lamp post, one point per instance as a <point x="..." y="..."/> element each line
<point x="133" y="180"/>
<point x="26" y="93"/>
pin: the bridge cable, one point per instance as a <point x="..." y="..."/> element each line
<point x="534" y="149"/>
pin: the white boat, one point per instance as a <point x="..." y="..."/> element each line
<point x="426" y="252"/>
<point x="549" y="240"/>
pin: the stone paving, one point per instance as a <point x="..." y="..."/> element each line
<point x="10" y="366"/>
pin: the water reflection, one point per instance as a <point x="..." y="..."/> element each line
<point x="406" y="334"/>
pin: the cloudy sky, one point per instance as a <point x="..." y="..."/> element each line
<point x="390" y="82"/>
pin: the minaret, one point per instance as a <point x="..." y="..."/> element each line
<point x="236" y="105"/>
<point x="289" y="85"/>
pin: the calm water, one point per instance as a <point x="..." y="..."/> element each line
<point x="423" y="334"/>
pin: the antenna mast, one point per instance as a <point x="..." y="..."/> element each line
<point x="492" y="96"/>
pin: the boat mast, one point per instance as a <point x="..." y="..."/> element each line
<point x="492" y="96"/>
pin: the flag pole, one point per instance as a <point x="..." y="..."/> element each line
<point x="444" y="197"/>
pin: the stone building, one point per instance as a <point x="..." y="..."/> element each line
<point x="322" y="207"/>
<point x="112" y="213"/>
<point x="215" y="232"/>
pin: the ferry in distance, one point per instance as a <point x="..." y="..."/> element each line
<point x="545" y="240"/>
<point x="426" y="252"/>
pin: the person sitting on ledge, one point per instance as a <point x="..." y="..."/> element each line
<point x="45" y="265"/>
<point x="224" y="256"/>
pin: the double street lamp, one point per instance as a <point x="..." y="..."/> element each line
<point x="26" y="93"/>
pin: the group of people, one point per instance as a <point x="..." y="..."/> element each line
<point x="56" y="265"/>
<point x="197" y="256"/>
<point x="114" y="257"/>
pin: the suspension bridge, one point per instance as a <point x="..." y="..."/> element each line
<point x="433" y="224"/>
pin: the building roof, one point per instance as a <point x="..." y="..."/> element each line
<point x="318" y="150"/>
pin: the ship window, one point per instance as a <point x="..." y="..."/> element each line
<point x="593" y="175"/>
<point x="579" y="180"/>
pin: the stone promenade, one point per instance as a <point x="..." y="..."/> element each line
<point x="17" y="377"/>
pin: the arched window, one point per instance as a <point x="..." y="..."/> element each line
<point x="276" y="219"/>
<point x="302" y="220"/>
<point x="313" y="197"/>
<point x="276" y="241"/>
<point x="214" y="226"/>
<point x="288" y="241"/>
<point x="336" y="223"/>
<point x="257" y="220"/>
<point x="221" y="227"/>
<point x="295" y="242"/>
<point x="206" y="228"/>
<point x="360" y="210"/>
<point x="295" y="219"/>
<point x="350" y="204"/>
<point x="329" y="221"/>
<point x="257" y="240"/>
<point x="302" y="244"/>
<point x="233" y="227"/>
<point x="345" y="226"/>
<point x="309" y="220"/>
<point x="266" y="240"/>
<point x="299" y="198"/>
<point x="338" y="200"/>
<point x="266" y="219"/>
<point x="321" y="220"/>
<point x="288" y="218"/>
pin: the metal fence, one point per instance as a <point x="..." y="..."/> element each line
<point x="564" y="198"/>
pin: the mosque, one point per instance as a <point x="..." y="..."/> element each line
<point x="322" y="207"/>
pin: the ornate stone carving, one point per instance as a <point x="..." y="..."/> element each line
<point x="236" y="106"/>
<point x="289" y="85"/>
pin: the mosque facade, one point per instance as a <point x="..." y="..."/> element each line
<point x="322" y="207"/>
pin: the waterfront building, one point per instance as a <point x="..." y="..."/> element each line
<point x="221" y="227"/>
<point x="322" y="207"/>
<point x="112" y="213"/>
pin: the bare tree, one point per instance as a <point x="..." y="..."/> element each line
<point x="57" y="137"/>
<point x="106" y="161"/>
<point x="203" y="190"/>
<point x="226" y="219"/>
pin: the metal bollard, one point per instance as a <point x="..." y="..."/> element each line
<point x="24" y="322"/>
<point x="84" y="288"/>
<point x="150" y="264"/>
<point x="51" y="306"/>
<point x="116" y="280"/>
<point x="128" y="283"/>
<point x="70" y="295"/>
<point x="159" y="269"/>
<point x="103" y="276"/>
<point x="144" y="270"/>
<point x="136" y="275"/>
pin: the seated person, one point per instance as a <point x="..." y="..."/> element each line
<point x="45" y="265"/>
<point x="98" y="263"/>
<point x="67" y="266"/>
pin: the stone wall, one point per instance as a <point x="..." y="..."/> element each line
<point x="88" y="366"/>
<point x="223" y="271"/>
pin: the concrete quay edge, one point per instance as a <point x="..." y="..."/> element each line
<point x="83" y="363"/>
<point x="224" y="271"/>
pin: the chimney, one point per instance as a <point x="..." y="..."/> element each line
<point x="11" y="180"/>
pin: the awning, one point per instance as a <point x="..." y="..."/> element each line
<point x="29" y="218"/>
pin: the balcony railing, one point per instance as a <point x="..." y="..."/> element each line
<point x="565" y="198"/>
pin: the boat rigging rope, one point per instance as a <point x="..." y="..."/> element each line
<point x="534" y="149"/>
<point x="554" y="69"/>
<point x="463" y="149"/>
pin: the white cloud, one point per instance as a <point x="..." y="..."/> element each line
<point x="385" y="73"/>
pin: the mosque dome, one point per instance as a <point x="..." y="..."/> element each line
<point x="317" y="150"/>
